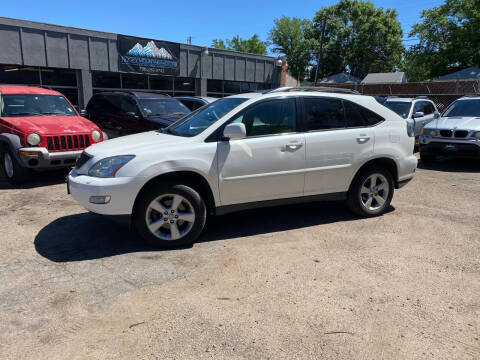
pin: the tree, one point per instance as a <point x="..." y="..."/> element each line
<point x="359" y="38"/>
<point x="289" y="38"/>
<point x="448" y="40"/>
<point x="253" y="45"/>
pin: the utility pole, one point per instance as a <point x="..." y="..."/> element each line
<point x="320" y="51"/>
<point x="189" y="40"/>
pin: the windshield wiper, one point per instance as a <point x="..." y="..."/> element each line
<point x="24" y="113"/>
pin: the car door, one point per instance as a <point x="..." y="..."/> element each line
<point x="267" y="164"/>
<point x="338" y="138"/>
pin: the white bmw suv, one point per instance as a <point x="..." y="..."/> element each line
<point x="259" y="149"/>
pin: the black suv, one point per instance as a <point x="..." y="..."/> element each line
<point x="123" y="113"/>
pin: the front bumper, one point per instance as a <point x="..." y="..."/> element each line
<point x="40" y="158"/>
<point x="450" y="147"/>
<point x="122" y="191"/>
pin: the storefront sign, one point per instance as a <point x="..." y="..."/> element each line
<point x="148" y="56"/>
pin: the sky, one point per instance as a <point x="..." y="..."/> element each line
<point x="204" y="20"/>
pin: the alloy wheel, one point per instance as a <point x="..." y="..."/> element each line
<point x="170" y="217"/>
<point x="374" y="192"/>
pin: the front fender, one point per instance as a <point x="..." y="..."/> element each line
<point x="13" y="142"/>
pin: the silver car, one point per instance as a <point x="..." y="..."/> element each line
<point x="456" y="133"/>
<point x="420" y="108"/>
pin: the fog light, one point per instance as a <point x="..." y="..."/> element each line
<point x="100" y="199"/>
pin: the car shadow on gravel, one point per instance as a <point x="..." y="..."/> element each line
<point x="452" y="165"/>
<point x="88" y="236"/>
<point x="38" y="179"/>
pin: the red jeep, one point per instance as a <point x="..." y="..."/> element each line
<point x="40" y="129"/>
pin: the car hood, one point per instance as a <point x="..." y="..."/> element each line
<point x="49" y="125"/>
<point x="136" y="144"/>
<point x="461" y="123"/>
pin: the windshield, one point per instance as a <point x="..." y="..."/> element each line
<point x="204" y="117"/>
<point x="35" y="105"/>
<point x="470" y="107"/>
<point x="162" y="107"/>
<point x="402" y="108"/>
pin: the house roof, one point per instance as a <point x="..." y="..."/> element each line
<point x="385" y="78"/>
<point x="465" y="74"/>
<point x="339" y="78"/>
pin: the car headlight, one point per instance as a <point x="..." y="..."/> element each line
<point x="96" y="135"/>
<point x="108" y="167"/>
<point x="429" y="132"/>
<point x="33" y="139"/>
<point x="477" y="135"/>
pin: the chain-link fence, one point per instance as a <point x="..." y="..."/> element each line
<point x="440" y="92"/>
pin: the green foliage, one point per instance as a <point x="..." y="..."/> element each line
<point x="253" y="45"/>
<point x="288" y="37"/>
<point x="449" y="40"/>
<point x="358" y="38"/>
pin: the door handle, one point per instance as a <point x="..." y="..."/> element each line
<point x="293" y="146"/>
<point x="363" y="138"/>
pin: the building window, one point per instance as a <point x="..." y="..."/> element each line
<point x="184" y="84"/>
<point x="102" y="79"/>
<point x="161" y="83"/>
<point x="19" y="75"/>
<point x="215" y="86"/>
<point x="134" y="81"/>
<point x="58" y="77"/>
<point x="70" y="93"/>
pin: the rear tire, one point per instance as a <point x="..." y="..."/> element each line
<point x="371" y="192"/>
<point x="14" y="172"/>
<point x="169" y="215"/>
<point x="427" y="158"/>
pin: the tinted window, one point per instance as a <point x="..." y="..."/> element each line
<point x="370" y="117"/>
<point x="470" y="107"/>
<point x="323" y="113"/>
<point x="199" y="120"/>
<point x="270" y="117"/>
<point x="127" y="105"/>
<point x="429" y="108"/>
<point x="134" y="81"/>
<point x="402" y="108"/>
<point x="357" y="116"/>
<point x="158" y="107"/>
<point x="105" y="79"/>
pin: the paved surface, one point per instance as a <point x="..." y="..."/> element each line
<point x="306" y="282"/>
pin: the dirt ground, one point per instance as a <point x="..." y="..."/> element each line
<point x="296" y="282"/>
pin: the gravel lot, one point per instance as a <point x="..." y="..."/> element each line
<point x="306" y="282"/>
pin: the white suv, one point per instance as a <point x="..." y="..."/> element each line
<point x="244" y="151"/>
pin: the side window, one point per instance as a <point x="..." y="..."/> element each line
<point x="371" y="118"/>
<point x="196" y="104"/>
<point x="323" y="113"/>
<point x="418" y="107"/>
<point x="127" y="105"/>
<point x="429" y="108"/>
<point x="353" y="115"/>
<point x="112" y="104"/>
<point x="270" y="117"/>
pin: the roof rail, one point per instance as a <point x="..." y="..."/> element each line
<point x="313" y="88"/>
<point x="421" y="97"/>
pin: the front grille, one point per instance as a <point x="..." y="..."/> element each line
<point x="446" y="133"/>
<point x="461" y="133"/>
<point x="68" y="142"/>
<point x="82" y="159"/>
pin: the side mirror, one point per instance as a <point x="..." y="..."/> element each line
<point x="436" y="115"/>
<point x="235" y="131"/>
<point x="131" y="115"/>
<point x="83" y="113"/>
<point x="418" y="114"/>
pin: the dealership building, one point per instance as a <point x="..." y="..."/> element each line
<point x="80" y="62"/>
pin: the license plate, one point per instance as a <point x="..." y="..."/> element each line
<point x="450" y="147"/>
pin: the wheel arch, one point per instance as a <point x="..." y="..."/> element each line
<point x="12" y="142"/>
<point x="185" y="177"/>
<point x="384" y="162"/>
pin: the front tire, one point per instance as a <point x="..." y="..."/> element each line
<point x="169" y="215"/>
<point x="14" y="172"/>
<point x="371" y="192"/>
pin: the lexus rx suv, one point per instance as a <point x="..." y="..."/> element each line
<point x="124" y="113"/>
<point x="420" y="108"/>
<point x="455" y="134"/>
<point x="244" y="151"/>
<point x="39" y="130"/>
